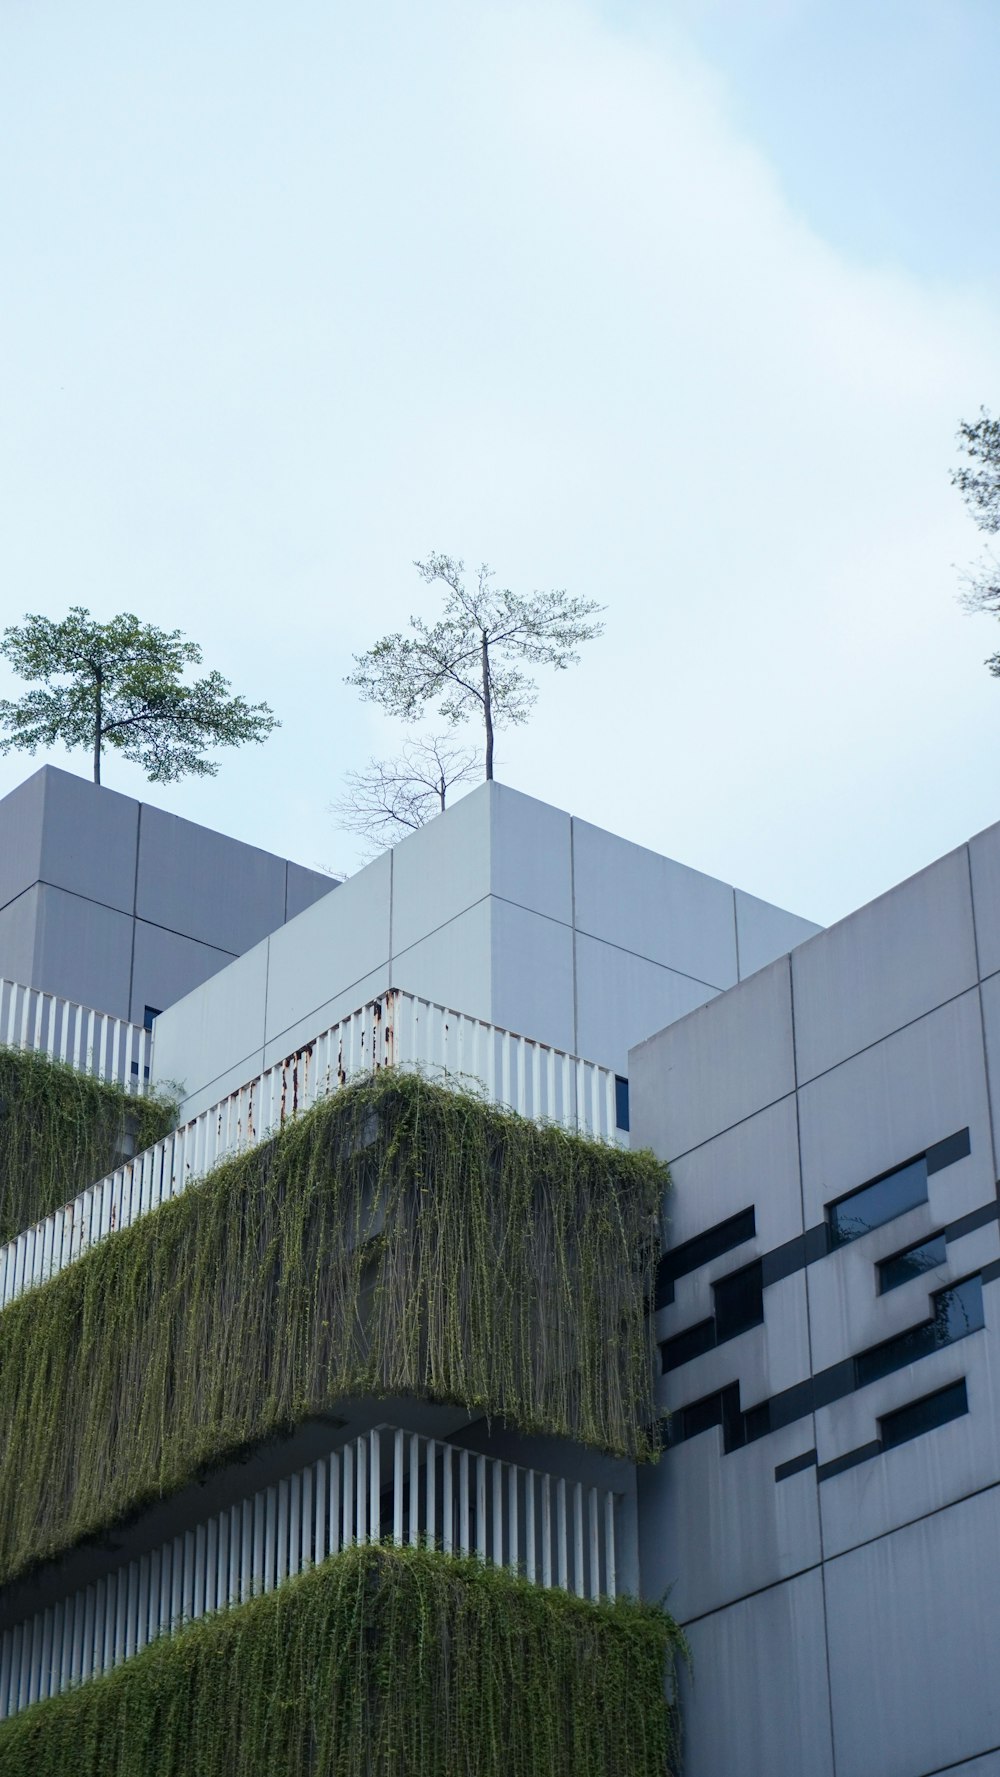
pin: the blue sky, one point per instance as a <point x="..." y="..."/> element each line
<point x="675" y="305"/>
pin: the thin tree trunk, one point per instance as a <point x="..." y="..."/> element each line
<point x="442" y="790"/>
<point x="487" y="708"/>
<point x="98" y="720"/>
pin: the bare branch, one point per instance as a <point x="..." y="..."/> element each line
<point x="392" y="797"/>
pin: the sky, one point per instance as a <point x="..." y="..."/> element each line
<point x="676" y="305"/>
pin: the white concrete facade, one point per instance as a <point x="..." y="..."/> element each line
<point x="503" y="908"/>
<point x="833" y="1548"/>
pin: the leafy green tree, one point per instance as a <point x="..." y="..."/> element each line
<point x="122" y="689"/>
<point x="979" y="484"/>
<point x="465" y="662"/>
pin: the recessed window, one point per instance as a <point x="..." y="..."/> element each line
<point x="621" y="1102"/>
<point x="917" y="1417"/>
<point x="739" y="1301"/>
<point x="912" y="1262"/>
<point x="149" y="1014"/>
<point x="958" y="1311"/>
<point x="879" y="1202"/>
<point x="692" y="1254"/>
<point x="687" y="1345"/>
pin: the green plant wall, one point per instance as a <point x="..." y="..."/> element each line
<point x="60" y="1131"/>
<point x="399" y="1239"/>
<point x="380" y="1663"/>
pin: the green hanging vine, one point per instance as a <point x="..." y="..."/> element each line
<point x="399" y="1239"/>
<point x="380" y="1663"/>
<point x="60" y="1131"/>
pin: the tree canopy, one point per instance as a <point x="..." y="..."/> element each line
<point x="123" y="690"/>
<point x="978" y="481"/>
<point x="466" y="662"/>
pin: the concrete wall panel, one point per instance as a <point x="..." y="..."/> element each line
<point x="763" y="932"/>
<point x="912" y="1635"/>
<point x="303" y="887"/>
<point x="21" y="820"/>
<point x="897" y="958"/>
<point x="206" y="885"/>
<point x="653" y="906"/>
<point x="622" y="998"/>
<point x="213" y="1039"/>
<point x="895" y="1100"/>
<point x="531" y="854"/>
<point x="89" y="840"/>
<point x="166" y="966"/>
<point x="984" y="863"/>
<point x="440" y="870"/>
<point x="452" y="965"/>
<point x="532" y="975"/>
<point x="714" y="1528"/>
<point x="338" y="941"/>
<point x="945" y="1464"/>
<point x="83" y="951"/>
<point x="715" y="1067"/>
<point x="758" y="1705"/>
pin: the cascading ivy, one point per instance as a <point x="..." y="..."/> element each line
<point x="382" y="1662"/>
<point x="398" y="1239"/>
<point x="60" y="1131"/>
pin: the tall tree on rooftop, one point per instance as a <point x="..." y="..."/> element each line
<point x="978" y="482"/>
<point x="123" y="690"/>
<point x="466" y="661"/>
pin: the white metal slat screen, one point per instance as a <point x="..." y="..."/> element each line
<point x="397" y="1029"/>
<point x="387" y="1485"/>
<point x="95" y="1043"/>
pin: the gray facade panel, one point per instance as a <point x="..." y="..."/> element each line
<point x="439" y="871"/>
<point x="895" y="1100"/>
<point x="763" y="932"/>
<point x="451" y="965"/>
<point x="653" y="906"/>
<point x="899" y="957"/>
<point x="532" y="974"/>
<point x="622" y="998"/>
<point x="531" y="859"/>
<point x="912" y="1625"/>
<point x="18" y="930"/>
<point x="758" y="1704"/>
<point x="715" y="1067"/>
<point x="209" y="1036"/>
<point x="984" y="864"/>
<point x="203" y="884"/>
<point x="335" y="943"/>
<point x="89" y="840"/>
<point x="83" y="951"/>
<point x="21" y="819"/>
<point x="303" y="887"/>
<point x="166" y="966"/>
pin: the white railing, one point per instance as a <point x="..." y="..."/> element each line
<point x="395" y="1030"/>
<point x="109" y="1048"/>
<point x="387" y="1485"/>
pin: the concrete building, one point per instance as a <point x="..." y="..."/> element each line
<point x="827" y="1511"/>
<point x="825" y="1515"/>
<point x="120" y="906"/>
<point x="505" y="909"/>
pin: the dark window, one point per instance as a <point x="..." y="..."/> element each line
<point x="692" y="1254"/>
<point x="923" y="1415"/>
<point x="149" y="1014"/>
<point x="878" y="1202"/>
<point x="684" y="1346"/>
<point x="697" y="1417"/>
<point x="913" y="1261"/>
<point x="621" y="1102"/>
<point x="739" y="1301"/>
<point x="958" y="1311"/>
